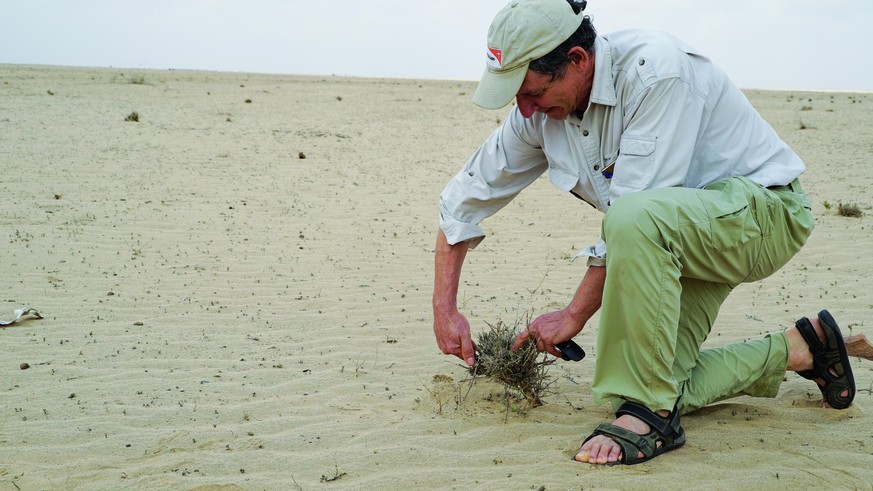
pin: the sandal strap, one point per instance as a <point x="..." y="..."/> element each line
<point x="807" y="332"/>
<point x="825" y="358"/>
<point x="665" y="426"/>
<point x="807" y="374"/>
<point x="804" y="327"/>
<point x="834" y="366"/>
<point x="631" y="443"/>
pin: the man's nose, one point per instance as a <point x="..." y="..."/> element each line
<point x="527" y="108"/>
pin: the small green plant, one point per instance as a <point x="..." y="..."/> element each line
<point x="133" y="117"/>
<point x="522" y="371"/>
<point x="849" y="210"/>
<point x="827" y="205"/>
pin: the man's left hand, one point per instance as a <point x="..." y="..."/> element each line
<point x="547" y="330"/>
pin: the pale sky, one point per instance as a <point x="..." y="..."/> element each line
<point x="771" y="44"/>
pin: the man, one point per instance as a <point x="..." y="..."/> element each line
<point x="699" y="195"/>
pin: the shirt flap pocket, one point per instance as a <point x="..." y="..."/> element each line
<point x="636" y="164"/>
<point x="640" y="148"/>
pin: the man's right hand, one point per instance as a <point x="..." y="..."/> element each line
<point x="451" y="328"/>
<point x="452" y="331"/>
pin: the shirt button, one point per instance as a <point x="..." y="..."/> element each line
<point x="596" y="167"/>
<point x="584" y="132"/>
<point x="642" y="62"/>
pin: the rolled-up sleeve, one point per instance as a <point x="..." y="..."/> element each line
<point x="596" y="254"/>
<point x="510" y="160"/>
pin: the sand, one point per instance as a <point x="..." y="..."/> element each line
<point x="222" y="313"/>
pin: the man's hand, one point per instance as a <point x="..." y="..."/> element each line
<point x="452" y="332"/>
<point x="548" y="330"/>
<point x="451" y="328"/>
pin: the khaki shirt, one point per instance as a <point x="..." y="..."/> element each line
<point x="660" y="115"/>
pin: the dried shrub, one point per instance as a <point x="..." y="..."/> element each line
<point x="523" y="371"/>
<point x="849" y="210"/>
<point x="133" y="117"/>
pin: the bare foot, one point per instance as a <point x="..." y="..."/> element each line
<point x="603" y="450"/>
<point x="799" y="356"/>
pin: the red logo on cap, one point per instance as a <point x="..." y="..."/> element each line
<point x="495" y="57"/>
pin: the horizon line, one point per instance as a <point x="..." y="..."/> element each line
<point x="210" y="70"/>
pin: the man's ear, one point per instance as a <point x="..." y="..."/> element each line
<point x="578" y="56"/>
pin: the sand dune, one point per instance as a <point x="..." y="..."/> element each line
<point x="236" y="294"/>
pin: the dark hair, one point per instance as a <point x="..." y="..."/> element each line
<point x="555" y="62"/>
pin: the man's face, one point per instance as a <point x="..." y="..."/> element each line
<point x="557" y="98"/>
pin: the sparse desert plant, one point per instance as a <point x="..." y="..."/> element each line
<point x="134" y="117"/>
<point x="849" y="210"/>
<point x="523" y="371"/>
<point x="137" y="80"/>
<point x="444" y="389"/>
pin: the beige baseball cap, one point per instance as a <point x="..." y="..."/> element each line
<point x="525" y="30"/>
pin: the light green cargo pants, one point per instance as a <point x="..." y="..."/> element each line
<point x="673" y="257"/>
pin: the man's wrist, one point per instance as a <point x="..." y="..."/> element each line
<point x="444" y="307"/>
<point x="588" y="296"/>
<point x="577" y="315"/>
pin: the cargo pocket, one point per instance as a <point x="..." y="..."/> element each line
<point x="733" y="215"/>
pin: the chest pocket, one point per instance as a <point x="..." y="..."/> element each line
<point x="636" y="162"/>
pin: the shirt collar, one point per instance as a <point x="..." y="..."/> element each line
<point x="603" y="88"/>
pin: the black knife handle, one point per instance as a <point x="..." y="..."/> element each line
<point x="570" y="350"/>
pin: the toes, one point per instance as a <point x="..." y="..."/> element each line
<point x="605" y="452"/>
<point x="614" y="454"/>
<point x="609" y="452"/>
<point x="584" y="453"/>
<point x="593" y="453"/>
<point x="599" y="450"/>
